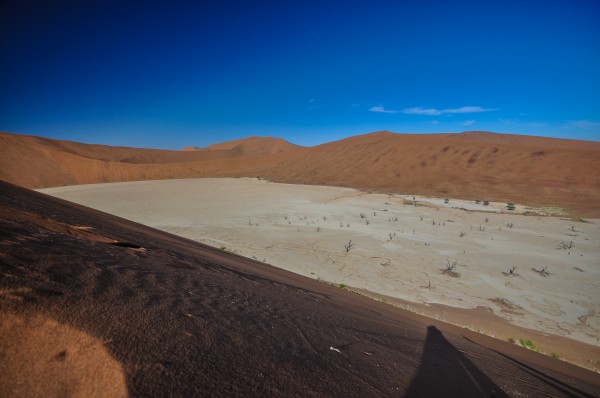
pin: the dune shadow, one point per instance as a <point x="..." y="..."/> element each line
<point x="445" y="372"/>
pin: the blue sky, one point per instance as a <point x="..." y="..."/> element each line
<point x="194" y="73"/>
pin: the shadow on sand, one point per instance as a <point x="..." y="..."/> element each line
<point x="446" y="372"/>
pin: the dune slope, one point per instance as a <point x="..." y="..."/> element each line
<point x="531" y="170"/>
<point x="183" y="319"/>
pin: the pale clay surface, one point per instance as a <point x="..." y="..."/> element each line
<point x="304" y="229"/>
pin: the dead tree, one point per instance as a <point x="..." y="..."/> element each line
<point x="564" y="245"/>
<point x="348" y="246"/>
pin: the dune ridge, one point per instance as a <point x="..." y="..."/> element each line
<point x="536" y="171"/>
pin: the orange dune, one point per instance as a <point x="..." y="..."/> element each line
<point x="536" y="171"/>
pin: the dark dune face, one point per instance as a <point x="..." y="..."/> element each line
<point x="473" y="165"/>
<point x="183" y="319"/>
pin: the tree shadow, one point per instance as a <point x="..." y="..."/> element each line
<point x="446" y="372"/>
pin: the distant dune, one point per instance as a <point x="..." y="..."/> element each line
<point x="531" y="170"/>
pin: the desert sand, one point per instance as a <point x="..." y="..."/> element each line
<point x="535" y="171"/>
<point x="400" y="250"/>
<point x="174" y="317"/>
<point x="84" y="292"/>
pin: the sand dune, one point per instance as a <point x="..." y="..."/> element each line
<point x="530" y="170"/>
<point x="183" y="319"/>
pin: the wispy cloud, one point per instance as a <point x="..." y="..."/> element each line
<point x="432" y="111"/>
<point x="451" y="111"/>
<point x="422" y="111"/>
<point x="381" y="109"/>
<point x="467" y="109"/>
<point x="468" y="122"/>
<point x="584" y="124"/>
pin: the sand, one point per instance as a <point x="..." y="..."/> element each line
<point x="73" y="363"/>
<point x="181" y="318"/>
<point x="399" y="249"/>
<point x="536" y="171"/>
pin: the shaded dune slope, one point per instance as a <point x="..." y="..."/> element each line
<point x="184" y="319"/>
<point x="531" y="170"/>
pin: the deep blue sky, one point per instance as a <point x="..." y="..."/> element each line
<point x="193" y="73"/>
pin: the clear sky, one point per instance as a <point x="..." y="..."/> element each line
<point x="173" y="74"/>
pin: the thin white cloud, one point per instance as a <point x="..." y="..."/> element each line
<point x="584" y="124"/>
<point x="468" y="122"/>
<point x="435" y="122"/>
<point x="381" y="109"/>
<point x="422" y="111"/>
<point x="417" y="110"/>
<point x="451" y="111"/>
<point x="468" y="109"/>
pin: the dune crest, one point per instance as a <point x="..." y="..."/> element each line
<point x="536" y="171"/>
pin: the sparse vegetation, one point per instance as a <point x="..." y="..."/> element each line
<point x="486" y="203"/>
<point x="565" y="246"/>
<point x="450" y="266"/>
<point x="543" y="272"/>
<point x="462" y="234"/>
<point x="554" y="355"/>
<point x="449" y="269"/>
<point x="510" y="206"/>
<point x="348" y="246"/>
<point x="362" y="215"/>
<point x="446" y="200"/>
<point x="530" y="345"/>
<point x="511" y="340"/>
<point x="342" y="285"/>
<point x="510" y="225"/>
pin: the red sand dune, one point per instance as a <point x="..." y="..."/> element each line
<point x="530" y="170"/>
<point x="111" y="307"/>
